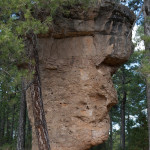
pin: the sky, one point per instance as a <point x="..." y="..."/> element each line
<point x="140" y="45"/>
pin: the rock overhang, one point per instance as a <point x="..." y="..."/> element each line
<point x="82" y="22"/>
<point x="107" y="19"/>
<point x="77" y="57"/>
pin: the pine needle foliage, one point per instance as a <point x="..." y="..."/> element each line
<point x="17" y="19"/>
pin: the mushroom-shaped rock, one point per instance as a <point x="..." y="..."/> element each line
<point x="77" y="59"/>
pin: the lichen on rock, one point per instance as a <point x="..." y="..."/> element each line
<point x="77" y="59"/>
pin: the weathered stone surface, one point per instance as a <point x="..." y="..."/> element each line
<point x="77" y="60"/>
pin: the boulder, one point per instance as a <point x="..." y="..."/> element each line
<point x="78" y="57"/>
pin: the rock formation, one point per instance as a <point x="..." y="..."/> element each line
<point x="77" y="59"/>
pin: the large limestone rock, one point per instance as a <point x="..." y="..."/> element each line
<point x="77" y="59"/>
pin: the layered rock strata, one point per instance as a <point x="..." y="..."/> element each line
<point x="77" y="60"/>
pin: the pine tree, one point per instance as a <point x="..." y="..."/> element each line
<point x="135" y="102"/>
<point x="20" y="22"/>
<point x="146" y="66"/>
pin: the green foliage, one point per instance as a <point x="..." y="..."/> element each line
<point x="135" y="4"/>
<point x="136" y="121"/>
<point x="145" y="66"/>
<point x="136" y="117"/>
<point x="19" y="18"/>
<point x="139" y="134"/>
<point x="8" y="147"/>
<point x="145" y="62"/>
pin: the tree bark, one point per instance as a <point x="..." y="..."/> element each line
<point x="123" y="121"/>
<point x="12" y="123"/>
<point x="148" y="102"/>
<point x="22" y="119"/>
<point x="3" y="127"/>
<point x="128" y="128"/>
<point x="7" y="126"/>
<point x="1" y="119"/>
<point x="111" y="132"/>
<point x="146" y="12"/>
<point x="37" y="102"/>
<point x="123" y="107"/>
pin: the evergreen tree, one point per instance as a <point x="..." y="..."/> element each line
<point x="146" y="65"/>
<point x="135" y="104"/>
<point x="20" y="23"/>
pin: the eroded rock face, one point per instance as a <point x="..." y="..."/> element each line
<point x="77" y="60"/>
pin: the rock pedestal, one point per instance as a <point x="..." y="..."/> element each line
<point x="77" y="59"/>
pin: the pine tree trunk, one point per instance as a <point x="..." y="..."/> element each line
<point x="123" y="104"/>
<point x="37" y="102"/>
<point x="7" y="126"/>
<point x="146" y="12"/>
<point x="123" y="122"/>
<point x="22" y="119"/>
<point x="111" y="133"/>
<point x="12" y="123"/>
<point x="128" y="128"/>
<point x="2" y="128"/>
<point x="148" y="102"/>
